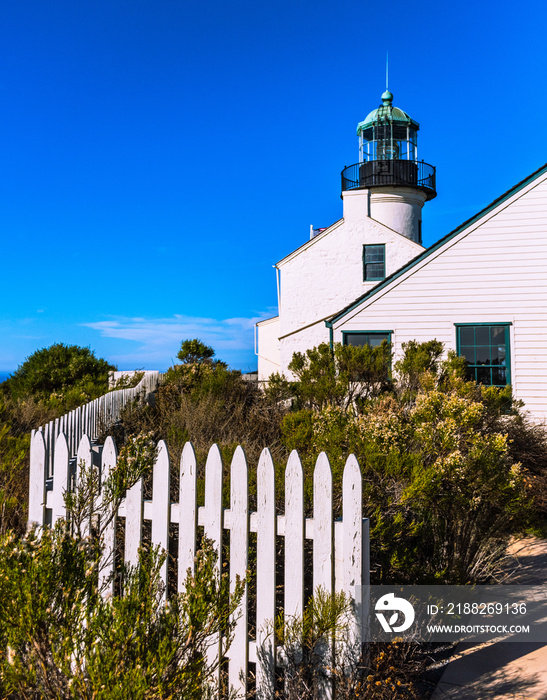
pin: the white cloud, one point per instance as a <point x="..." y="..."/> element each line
<point x="159" y="339"/>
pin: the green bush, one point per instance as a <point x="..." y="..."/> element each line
<point x="63" y="376"/>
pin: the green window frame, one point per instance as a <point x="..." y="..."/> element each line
<point x="360" y="338"/>
<point x="486" y="350"/>
<point x="374" y="262"/>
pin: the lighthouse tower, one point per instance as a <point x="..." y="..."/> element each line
<point x="394" y="183"/>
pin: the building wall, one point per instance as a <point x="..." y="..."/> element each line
<point x="324" y="275"/>
<point x="268" y="348"/>
<point x="495" y="271"/>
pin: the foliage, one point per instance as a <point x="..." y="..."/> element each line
<point x="317" y="652"/>
<point x="444" y="484"/>
<point x="50" y="382"/>
<point x="62" y="375"/>
<point x="194" y="351"/>
<point x="59" y="637"/>
<point x="306" y="642"/>
<point x="343" y="376"/>
<point x="62" y="635"/>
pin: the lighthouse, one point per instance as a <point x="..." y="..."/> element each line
<point x="394" y="184"/>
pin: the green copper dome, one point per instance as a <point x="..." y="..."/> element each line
<point x="387" y="112"/>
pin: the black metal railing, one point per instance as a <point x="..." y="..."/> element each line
<point x="401" y="173"/>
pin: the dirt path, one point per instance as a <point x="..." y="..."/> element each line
<point x="503" y="670"/>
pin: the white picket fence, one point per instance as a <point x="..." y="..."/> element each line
<point x="93" y="418"/>
<point x="340" y="548"/>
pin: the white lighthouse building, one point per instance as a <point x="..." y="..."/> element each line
<point x="481" y="289"/>
<point x="381" y="229"/>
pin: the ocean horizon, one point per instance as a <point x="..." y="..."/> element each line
<point x="4" y="376"/>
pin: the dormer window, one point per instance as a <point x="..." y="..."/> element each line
<point x="374" y="262"/>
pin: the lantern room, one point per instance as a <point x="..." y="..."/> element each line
<point x="388" y="133"/>
<point x="388" y="153"/>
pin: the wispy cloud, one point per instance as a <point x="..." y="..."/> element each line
<point x="159" y="339"/>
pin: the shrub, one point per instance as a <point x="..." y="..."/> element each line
<point x="61" y="375"/>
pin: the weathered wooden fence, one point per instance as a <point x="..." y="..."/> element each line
<point x="93" y="418"/>
<point x="340" y="548"/>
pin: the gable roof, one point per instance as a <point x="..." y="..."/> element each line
<point x="433" y="248"/>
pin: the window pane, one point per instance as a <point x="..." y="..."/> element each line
<point x="499" y="376"/>
<point x="375" y="271"/>
<point x="377" y="339"/>
<point x="482" y="335"/>
<point x="483" y="355"/>
<point x="467" y="335"/>
<point x="483" y="375"/>
<point x="358" y="339"/>
<point x="486" y="354"/>
<point x="498" y="335"/>
<point x="469" y="354"/>
<point x="374" y="262"/>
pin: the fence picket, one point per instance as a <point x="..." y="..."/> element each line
<point x="239" y="542"/>
<point x="37" y="477"/>
<point x="323" y="573"/>
<point x="84" y="463"/>
<point x="161" y="507"/>
<point x="294" y="536"/>
<point x="188" y="512"/>
<point x="133" y="522"/>
<point x="212" y="523"/>
<point x="61" y="480"/>
<point x="265" y="575"/>
<point x="106" y="565"/>
<point x="353" y="552"/>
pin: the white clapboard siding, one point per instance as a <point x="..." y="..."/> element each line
<point x="265" y="575"/>
<point x="491" y="272"/>
<point x="239" y="557"/>
<point x="161" y="511"/>
<point x="340" y="550"/>
<point x="106" y="567"/>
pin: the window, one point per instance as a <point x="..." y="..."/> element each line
<point x="374" y="262"/>
<point x="485" y="348"/>
<point x="372" y="338"/>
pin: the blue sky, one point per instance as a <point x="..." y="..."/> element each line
<point x="157" y="157"/>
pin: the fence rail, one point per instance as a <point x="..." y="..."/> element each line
<point x="92" y="418"/>
<point x="340" y="548"/>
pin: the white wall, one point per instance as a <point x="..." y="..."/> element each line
<point x="493" y="272"/>
<point x="325" y="274"/>
<point x="268" y="348"/>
